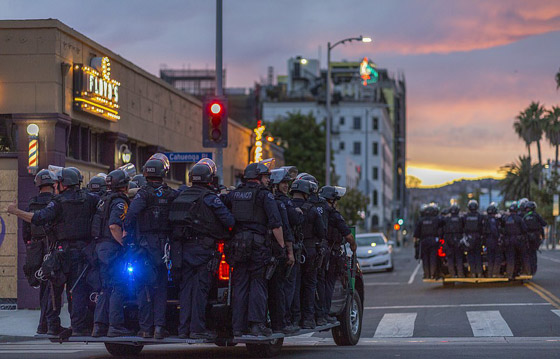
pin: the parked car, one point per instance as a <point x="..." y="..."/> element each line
<point x="375" y="252"/>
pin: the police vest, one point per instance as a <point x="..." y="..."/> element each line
<point x="322" y="207"/>
<point x="333" y="234"/>
<point x="190" y="214"/>
<point x="532" y="222"/>
<point x="155" y="217"/>
<point x="308" y="227"/>
<point x="453" y="225"/>
<point x="490" y="223"/>
<point x="512" y="228"/>
<point x="100" y="223"/>
<point x="429" y="228"/>
<point x="75" y="221"/>
<point x="246" y="208"/>
<point x="38" y="232"/>
<point x="472" y="223"/>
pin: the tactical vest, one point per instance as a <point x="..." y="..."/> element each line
<point x="189" y="214"/>
<point x="38" y="232"/>
<point x="512" y="227"/>
<point x="333" y="234"/>
<point x="100" y="223"/>
<point x="429" y="227"/>
<point x="453" y="225"/>
<point x="155" y="217"/>
<point x="245" y="207"/>
<point x="75" y="220"/>
<point x="472" y="223"/>
<point x="308" y="225"/>
<point x="322" y="207"/>
<point x="491" y="222"/>
<point x="532" y="222"/>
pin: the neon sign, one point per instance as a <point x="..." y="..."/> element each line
<point x="368" y="73"/>
<point x="257" y="156"/>
<point x="95" y="91"/>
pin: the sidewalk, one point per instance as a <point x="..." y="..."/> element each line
<point x="22" y="323"/>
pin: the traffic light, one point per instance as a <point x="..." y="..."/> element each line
<point x="214" y="122"/>
<point x="400" y="221"/>
<point x="397" y="227"/>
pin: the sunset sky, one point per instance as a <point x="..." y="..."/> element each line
<point x="470" y="66"/>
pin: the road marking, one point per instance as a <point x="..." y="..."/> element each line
<point x="550" y="259"/>
<point x="541" y="294"/>
<point x="35" y="351"/>
<point x="455" y="305"/>
<point x="556" y="311"/>
<point x="545" y="291"/>
<point x="414" y="274"/>
<point x="396" y="325"/>
<point x="382" y="283"/>
<point x="488" y="323"/>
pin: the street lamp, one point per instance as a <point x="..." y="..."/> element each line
<point x="329" y="117"/>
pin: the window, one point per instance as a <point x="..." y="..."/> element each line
<point x="375" y="173"/>
<point x="375" y="147"/>
<point x="7" y="134"/>
<point x="357" y="148"/>
<point x="375" y="124"/>
<point x="374" y="221"/>
<point x="357" y="123"/>
<point x="341" y="146"/>
<point x="375" y="198"/>
<point x="341" y="121"/>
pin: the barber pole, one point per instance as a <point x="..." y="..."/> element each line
<point x="33" y="155"/>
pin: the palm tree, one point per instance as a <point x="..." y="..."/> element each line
<point x="529" y="126"/>
<point x="519" y="176"/>
<point x="558" y="80"/>
<point x="552" y="130"/>
<point x="520" y="127"/>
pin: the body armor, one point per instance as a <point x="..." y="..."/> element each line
<point x="100" y="223"/>
<point x="245" y="207"/>
<point x="429" y="227"/>
<point x="75" y="221"/>
<point x="38" y="232"/>
<point x="453" y="225"/>
<point x="155" y="217"/>
<point x="512" y="227"/>
<point x="532" y="222"/>
<point x="472" y="223"/>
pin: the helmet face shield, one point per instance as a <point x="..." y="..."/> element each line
<point x="57" y="170"/>
<point x="278" y="175"/>
<point x="292" y="171"/>
<point x="129" y="169"/>
<point x="340" y="191"/>
<point x="163" y="158"/>
<point x="269" y="163"/>
<point x="208" y="162"/>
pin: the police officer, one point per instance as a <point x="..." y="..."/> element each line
<point x="473" y="230"/>
<point x="491" y="239"/>
<point x="426" y="234"/>
<point x="336" y="232"/>
<point x="37" y="245"/>
<point x="107" y="230"/>
<point x="295" y="219"/>
<point x="535" y="232"/>
<point x="255" y="212"/>
<point x="313" y="232"/>
<point x="452" y="234"/>
<point x="97" y="184"/>
<point x="515" y="241"/>
<point x="148" y="213"/>
<point x="70" y="213"/>
<point x="198" y="218"/>
<point x="278" y="290"/>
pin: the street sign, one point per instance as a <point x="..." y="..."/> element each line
<point x="187" y="157"/>
<point x="555" y="206"/>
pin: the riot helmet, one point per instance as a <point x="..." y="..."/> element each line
<point x="308" y="177"/>
<point x="513" y="207"/>
<point x="129" y="169"/>
<point x="154" y="169"/>
<point x="69" y="177"/>
<point x="472" y="205"/>
<point x="45" y="178"/>
<point x="424" y="210"/>
<point x="332" y="193"/>
<point x="279" y="175"/>
<point x="80" y="176"/>
<point x="255" y="171"/>
<point x="163" y="158"/>
<point x="97" y="184"/>
<point x="301" y="186"/>
<point x="454" y="209"/>
<point x="492" y="208"/>
<point x="139" y="179"/>
<point x="203" y="171"/>
<point x="117" y="179"/>
<point x="530" y="206"/>
<point x="445" y="211"/>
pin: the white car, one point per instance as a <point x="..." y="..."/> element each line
<point x="374" y="252"/>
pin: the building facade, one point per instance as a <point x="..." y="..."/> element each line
<point x="94" y="110"/>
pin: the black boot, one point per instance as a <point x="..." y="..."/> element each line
<point x="56" y="330"/>
<point x="119" y="331"/>
<point x="208" y="335"/>
<point x="160" y="333"/>
<point x="99" y="330"/>
<point x="260" y="330"/>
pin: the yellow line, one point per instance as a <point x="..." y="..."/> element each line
<point x="555" y="298"/>
<point x="542" y="295"/>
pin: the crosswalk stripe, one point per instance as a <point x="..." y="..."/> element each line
<point x="396" y="325"/>
<point x="556" y="311"/>
<point x="488" y="323"/>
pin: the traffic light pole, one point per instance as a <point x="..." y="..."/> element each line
<point x="219" y="82"/>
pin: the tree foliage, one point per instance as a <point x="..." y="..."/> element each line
<point x="529" y="126"/>
<point x="558" y="80"/>
<point x="303" y="141"/>
<point x="352" y="206"/>
<point x="520" y="176"/>
<point x="412" y="181"/>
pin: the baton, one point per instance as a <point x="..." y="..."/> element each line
<point x="79" y="278"/>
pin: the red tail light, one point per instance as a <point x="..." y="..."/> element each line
<point x="223" y="269"/>
<point x="440" y="251"/>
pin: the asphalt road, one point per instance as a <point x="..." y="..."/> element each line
<point x="404" y="318"/>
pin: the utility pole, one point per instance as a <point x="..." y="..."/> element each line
<point x="219" y="82"/>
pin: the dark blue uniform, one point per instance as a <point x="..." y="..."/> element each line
<point x="295" y="220"/>
<point x="214" y="221"/>
<point x="314" y="231"/>
<point x="148" y="218"/>
<point x="36" y="243"/>
<point x="71" y="213"/>
<point x="535" y="231"/>
<point x="515" y="241"/>
<point x="473" y="230"/>
<point x="427" y="230"/>
<point x="491" y="239"/>
<point x="452" y="234"/>
<point x="255" y="212"/>
<point x="109" y="308"/>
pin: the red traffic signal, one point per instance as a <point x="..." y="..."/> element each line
<point x="214" y="122"/>
<point x="397" y="227"/>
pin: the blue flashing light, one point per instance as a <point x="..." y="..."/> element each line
<point x="130" y="268"/>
